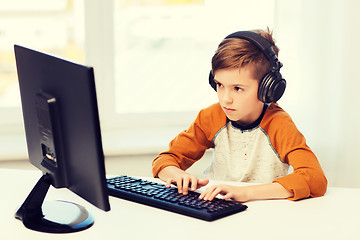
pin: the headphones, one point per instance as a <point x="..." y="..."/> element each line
<point x="272" y="86"/>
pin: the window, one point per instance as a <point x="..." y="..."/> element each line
<point x="151" y="57"/>
<point x="163" y="50"/>
<point x="55" y="27"/>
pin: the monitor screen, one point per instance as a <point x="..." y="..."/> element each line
<point x="62" y="126"/>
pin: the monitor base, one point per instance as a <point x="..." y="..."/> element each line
<point x="52" y="216"/>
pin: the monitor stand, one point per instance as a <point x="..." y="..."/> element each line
<point x="53" y="216"/>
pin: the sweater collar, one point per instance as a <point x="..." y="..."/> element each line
<point x="251" y="125"/>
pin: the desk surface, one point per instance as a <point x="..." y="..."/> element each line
<point x="333" y="216"/>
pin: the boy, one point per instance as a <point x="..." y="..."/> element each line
<point x="253" y="141"/>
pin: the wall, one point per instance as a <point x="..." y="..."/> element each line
<point x="319" y="48"/>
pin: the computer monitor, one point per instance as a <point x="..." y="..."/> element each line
<point x="63" y="138"/>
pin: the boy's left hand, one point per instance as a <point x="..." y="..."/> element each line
<point x="247" y="193"/>
<point x="227" y="191"/>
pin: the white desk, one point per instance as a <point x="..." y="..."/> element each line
<point x="334" y="216"/>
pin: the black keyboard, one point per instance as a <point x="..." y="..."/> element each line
<point x="157" y="195"/>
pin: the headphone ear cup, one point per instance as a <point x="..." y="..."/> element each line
<point x="278" y="89"/>
<point x="211" y="81"/>
<point x="263" y="88"/>
<point x="271" y="87"/>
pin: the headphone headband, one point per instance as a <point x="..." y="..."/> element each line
<point x="261" y="43"/>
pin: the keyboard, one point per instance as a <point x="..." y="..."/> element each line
<point x="157" y="195"/>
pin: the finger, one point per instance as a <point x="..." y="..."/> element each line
<point x="194" y="182"/>
<point x="168" y="182"/>
<point x="185" y="186"/>
<point x="203" y="194"/>
<point x="207" y="193"/>
<point x="214" y="193"/>
<point x="202" y="183"/>
<point x="179" y="185"/>
<point x="227" y="196"/>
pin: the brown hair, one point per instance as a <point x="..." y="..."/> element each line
<point x="236" y="53"/>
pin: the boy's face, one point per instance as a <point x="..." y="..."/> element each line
<point x="237" y="92"/>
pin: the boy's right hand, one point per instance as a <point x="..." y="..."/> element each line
<point x="183" y="180"/>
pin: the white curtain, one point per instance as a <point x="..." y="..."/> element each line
<point x="320" y="47"/>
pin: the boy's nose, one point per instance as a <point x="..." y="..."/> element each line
<point x="227" y="97"/>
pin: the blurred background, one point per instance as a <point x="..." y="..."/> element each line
<point x="152" y="60"/>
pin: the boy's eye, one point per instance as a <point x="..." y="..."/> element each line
<point x="218" y="84"/>
<point x="238" y="89"/>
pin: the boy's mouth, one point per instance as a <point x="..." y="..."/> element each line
<point x="228" y="110"/>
